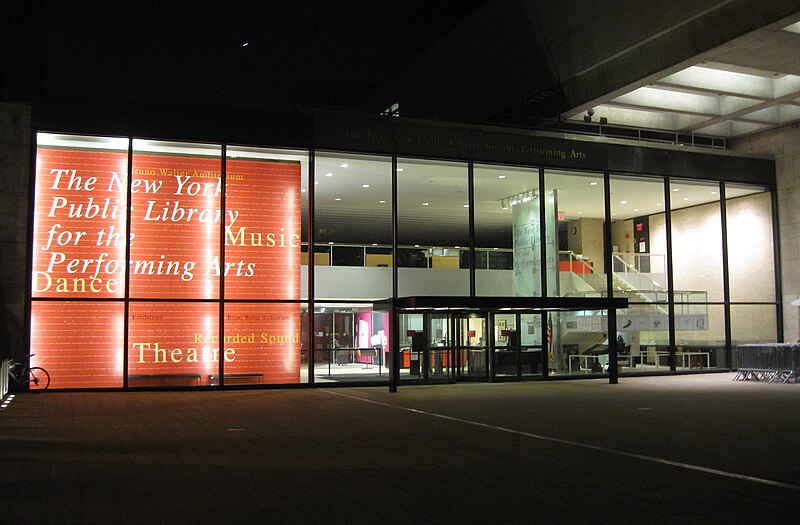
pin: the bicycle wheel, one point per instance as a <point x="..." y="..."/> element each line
<point x="39" y="379"/>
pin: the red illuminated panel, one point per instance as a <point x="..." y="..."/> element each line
<point x="173" y="344"/>
<point x="80" y="344"/>
<point x="262" y="235"/>
<point x="79" y="223"/>
<point x="266" y="341"/>
<point x="176" y="223"/>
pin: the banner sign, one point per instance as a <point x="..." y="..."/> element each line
<point x="188" y="230"/>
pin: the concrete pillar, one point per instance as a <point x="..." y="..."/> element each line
<point x="15" y="155"/>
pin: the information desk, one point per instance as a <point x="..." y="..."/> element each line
<point x="771" y="362"/>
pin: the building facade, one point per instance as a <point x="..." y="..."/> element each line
<point x="381" y="250"/>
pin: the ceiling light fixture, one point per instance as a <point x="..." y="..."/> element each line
<point x="501" y="176"/>
<point x="329" y="174"/>
<point x="345" y="165"/>
<point x="365" y="185"/>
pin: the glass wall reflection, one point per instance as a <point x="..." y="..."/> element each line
<point x="639" y="266"/>
<point x="432" y="228"/>
<point x="576" y="239"/>
<point x="496" y="188"/>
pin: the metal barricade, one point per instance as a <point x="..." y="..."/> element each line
<point x="773" y="362"/>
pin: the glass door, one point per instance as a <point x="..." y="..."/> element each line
<point x="517" y="349"/>
<point x="438" y="358"/>
<point x="471" y="349"/>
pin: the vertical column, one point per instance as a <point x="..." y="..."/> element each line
<point x="126" y="308"/>
<point x="670" y="271"/>
<point x="543" y="233"/>
<point x="726" y="284"/>
<point x="776" y="261"/>
<point x="394" y="351"/>
<point x="221" y="320"/>
<point x="471" y="201"/>
<point x="611" y="312"/>
<point x="310" y="235"/>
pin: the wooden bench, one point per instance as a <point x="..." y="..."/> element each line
<point x="164" y="379"/>
<point x="213" y="379"/>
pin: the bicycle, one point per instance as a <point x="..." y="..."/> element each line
<point x="35" y="377"/>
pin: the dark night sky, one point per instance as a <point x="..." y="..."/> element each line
<point x="303" y="51"/>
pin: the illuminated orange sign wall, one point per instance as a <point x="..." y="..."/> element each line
<point x="79" y="226"/>
<point x="191" y="232"/>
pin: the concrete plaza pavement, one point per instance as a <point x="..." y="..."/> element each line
<point x="674" y="449"/>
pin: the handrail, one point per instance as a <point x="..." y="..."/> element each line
<point x="631" y="268"/>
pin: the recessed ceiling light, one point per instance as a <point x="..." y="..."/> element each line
<point x="674" y="189"/>
<point x="636" y="209"/>
<point x="337" y="199"/>
<point x="424" y="203"/>
<point x="495" y="248"/>
<point x="501" y="176"/>
<point x="580" y="213"/>
<point x="623" y="202"/>
<point x="399" y="169"/>
<point x="330" y="242"/>
<point x="465" y="206"/>
<point x="382" y="202"/>
<point x="343" y="165"/>
<point x="365" y="185"/>
<point x="659" y="204"/>
<point x="593" y="183"/>
<point x="416" y="246"/>
<point x="713" y="193"/>
<point x="329" y="174"/>
<point x="686" y="198"/>
<point x="374" y="243"/>
<point x="457" y="247"/>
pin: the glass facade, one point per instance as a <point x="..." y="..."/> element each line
<point x="171" y="264"/>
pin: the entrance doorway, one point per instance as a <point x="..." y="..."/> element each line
<point x="462" y="346"/>
<point x="448" y="339"/>
<point x="517" y="348"/>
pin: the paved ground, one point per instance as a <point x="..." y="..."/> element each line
<point x="687" y="449"/>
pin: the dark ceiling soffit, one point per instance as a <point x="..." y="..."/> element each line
<point x="499" y="303"/>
